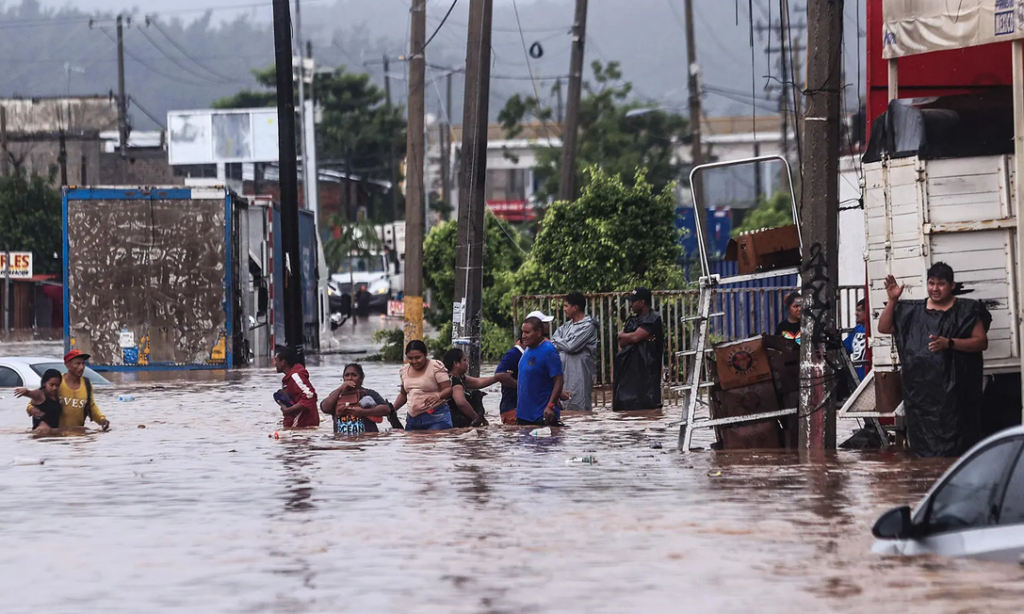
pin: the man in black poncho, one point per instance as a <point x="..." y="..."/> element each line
<point x="638" y="365"/>
<point x="940" y="342"/>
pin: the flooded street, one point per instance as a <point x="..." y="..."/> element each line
<point x="201" y="511"/>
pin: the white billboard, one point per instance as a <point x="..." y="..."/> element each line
<point x="209" y="136"/>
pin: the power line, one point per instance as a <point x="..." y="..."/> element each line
<point x="176" y="62"/>
<point x="526" y="52"/>
<point x="150" y="68"/>
<point x="441" y="25"/>
<point x="159" y="29"/>
<point x="147" y="113"/>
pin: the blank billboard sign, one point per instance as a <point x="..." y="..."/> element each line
<point x="211" y="136"/>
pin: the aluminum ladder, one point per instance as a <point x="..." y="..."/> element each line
<point x="697" y="379"/>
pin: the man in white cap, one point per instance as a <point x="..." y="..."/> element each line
<point x="545" y="320"/>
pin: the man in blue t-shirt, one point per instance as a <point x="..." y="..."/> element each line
<point x="856" y="342"/>
<point x="510" y="364"/>
<point x="540" y="378"/>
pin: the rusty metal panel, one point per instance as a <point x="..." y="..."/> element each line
<point x="146" y="281"/>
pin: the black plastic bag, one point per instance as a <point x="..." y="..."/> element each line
<point x="942" y="391"/>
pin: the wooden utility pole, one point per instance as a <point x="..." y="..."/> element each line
<point x="414" y="175"/>
<point x="122" y="103"/>
<point x="700" y="209"/>
<point x="571" y="128"/>
<point x="467" y="311"/>
<point x="446" y="146"/>
<point x="293" y="324"/>
<point x="819" y="223"/>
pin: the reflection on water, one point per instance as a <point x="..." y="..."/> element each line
<point x="204" y="511"/>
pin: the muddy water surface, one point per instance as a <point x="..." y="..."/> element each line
<point x="201" y="511"/>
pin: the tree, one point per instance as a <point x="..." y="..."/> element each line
<point x="769" y="213"/>
<point x="614" y="237"/>
<point x="30" y="220"/>
<point x="359" y="133"/>
<point x="502" y="257"/>
<point x="609" y="138"/>
<point x="350" y="239"/>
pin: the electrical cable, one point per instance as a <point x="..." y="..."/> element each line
<point x="536" y="89"/>
<point x="438" y="29"/>
<point x="175" y="61"/>
<point x="147" y="113"/>
<point x="146" y="65"/>
<point x="177" y="46"/>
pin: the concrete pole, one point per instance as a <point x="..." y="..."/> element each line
<point x="1018" y="156"/>
<point x="467" y="314"/>
<point x="414" y="209"/>
<point x="696" y="150"/>
<point x="446" y="146"/>
<point x="570" y="132"/>
<point x="122" y="103"/>
<point x="819" y="217"/>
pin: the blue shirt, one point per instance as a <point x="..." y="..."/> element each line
<point x="509" y="362"/>
<point x="538" y="368"/>
<point x="856" y="346"/>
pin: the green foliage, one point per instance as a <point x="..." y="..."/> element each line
<point x="769" y="213"/>
<point x="608" y="137"/>
<point x="30" y="220"/>
<point x="614" y="237"/>
<point x="501" y="258"/>
<point x="359" y="132"/>
<point x="393" y="340"/>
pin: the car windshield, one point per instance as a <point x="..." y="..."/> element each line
<point x="92" y="376"/>
<point x="360" y="264"/>
<point x="970" y="498"/>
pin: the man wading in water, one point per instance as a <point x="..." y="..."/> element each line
<point x="76" y="400"/>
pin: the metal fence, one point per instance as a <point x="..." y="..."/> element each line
<point x="748" y="312"/>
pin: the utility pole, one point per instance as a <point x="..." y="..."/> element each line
<point x="467" y="311"/>
<point x="788" y="64"/>
<point x="700" y="209"/>
<point x="414" y="209"/>
<point x="819" y="223"/>
<point x="122" y="103"/>
<point x="293" y="324"/>
<point x="309" y="159"/>
<point x="5" y="157"/>
<point x="571" y="128"/>
<point x="392" y="166"/>
<point x="559" y="103"/>
<point x="446" y="146"/>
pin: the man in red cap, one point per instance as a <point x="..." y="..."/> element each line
<point x="76" y="397"/>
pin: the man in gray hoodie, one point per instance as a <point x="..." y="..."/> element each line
<point x="576" y="342"/>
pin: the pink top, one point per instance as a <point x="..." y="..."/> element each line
<point x="422" y="388"/>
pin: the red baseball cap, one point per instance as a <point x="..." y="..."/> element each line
<point x="75" y="354"/>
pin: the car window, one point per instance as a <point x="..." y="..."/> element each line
<point x="9" y="378"/>
<point x="92" y="376"/>
<point x="1012" y="511"/>
<point x="970" y="498"/>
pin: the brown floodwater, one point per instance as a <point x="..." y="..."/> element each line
<point x="201" y="511"/>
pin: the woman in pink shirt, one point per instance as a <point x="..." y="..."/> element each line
<point x="426" y="388"/>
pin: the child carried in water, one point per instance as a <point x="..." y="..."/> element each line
<point x="45" y="414"/>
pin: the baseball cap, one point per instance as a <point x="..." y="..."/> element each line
<point x="640" y="294"/>
<point x="75" y="354"/>
<point x="540" y="316"/>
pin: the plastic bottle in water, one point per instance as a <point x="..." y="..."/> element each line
<point x="126" y="398"/>
<point x="543" y="432"/>
<point x="582" y="460"/>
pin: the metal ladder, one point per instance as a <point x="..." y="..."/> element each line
<point x="698" y="379"/>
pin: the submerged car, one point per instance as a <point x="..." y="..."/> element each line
<point x="976" y="509"/>
<point x="26" y="371"/>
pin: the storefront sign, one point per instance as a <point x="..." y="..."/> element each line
<point x="21" y="265"/>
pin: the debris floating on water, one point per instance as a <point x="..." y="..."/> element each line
<point x="544" y="432"/>
<point x="582" y="460"/>
<point x="25" y="461"/>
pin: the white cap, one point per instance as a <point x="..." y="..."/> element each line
<point x="540" y="316"/>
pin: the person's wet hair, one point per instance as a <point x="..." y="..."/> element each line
<point x="534" y="323"/>
<point x="453" y="357"/>
<point x="862" y="303"/>
<point x="48" y="375"/>
<point x="356" y="366"/>
<point x="941" y="270"/>
<point x="576" y="299"/>
<point x="790" y="298"/>
<point x="287" y="355"/>
<point x="416" y="346"/>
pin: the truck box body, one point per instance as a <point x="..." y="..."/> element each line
<point x="150" y="277"/>
<point x="311" y="298"/>
<point x="958" y="211"/>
